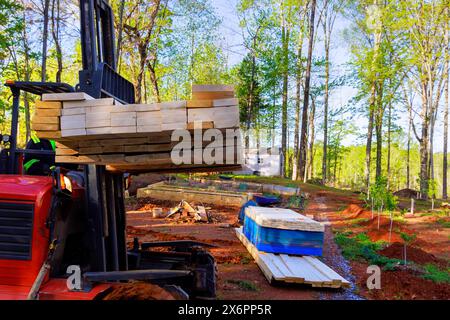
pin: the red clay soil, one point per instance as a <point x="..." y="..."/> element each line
<point x="138" y="291"/>
<point x="353" y="209"/>
<point x="417" y="255"/>
<point x="397" y="284"/>
<point x="238" y="275"/>
<point x="400" y="285"/>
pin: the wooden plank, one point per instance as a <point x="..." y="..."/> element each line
<point x="45" y="120"/>
<point x="113" y="149"/>
<point x="65" y="152"/>
<point x="213" y="114"/>
<point x="199" y="104"/>
<point x="147" y="107"/>
<point x="149" y="128"/>
<point x="114" y="142"/>
<point x="101" y="130"/>
<point x="44" y="127"/>
<point x="173" y="126"/>
<point x="148" y="148"/>
<point x="328" y="272"/>
<point x="124" y="129"/>
<point x="172" y="105"/>
<point x="88" y="103"/>
<point x="49" y="134"/>
<point x="73" y="132"/>
<point x="90" y="150"/>
<point x="98" y="123"/>
<point x="69" y="96"/>
<point x="163" y="157"/>
<point x="269" y="271"/>
<point x="76" y="159"/>
<point x="282" y="219"/>
<point x="211" y="88"/>
<point x="73" y="122"/>
<point x="123" y="119"/>
<point x="225" y="102"/>
<point x="212" y="95"/>
<point x="112" y="158"/>
<point x="148" y="118"/>
<point x="173" y="116"/>
<point x="48" y="105"/>
<point x="42" y="112"/>
<point x="292" y="269"/>
<point x="73" y="111"/>
<point x="200" y="125"/>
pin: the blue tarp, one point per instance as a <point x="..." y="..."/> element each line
<point x="249" y="203"/>
<point x="283" y="241"/>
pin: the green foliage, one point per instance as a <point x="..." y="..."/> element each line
<point x="432" y="188"/>
<point x="360" y="247"/>
<point x="244" y="285"/>
<point x="382" y="197"/>
<point x="434" y="273"/>
<point x="408" y="239"/>
<point x="444" y="223"/>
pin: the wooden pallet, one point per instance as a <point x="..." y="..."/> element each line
<point x="293" y="269"/>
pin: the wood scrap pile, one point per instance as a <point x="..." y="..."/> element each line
<point x="138" y="137"/>
<point x="186" y="213"/>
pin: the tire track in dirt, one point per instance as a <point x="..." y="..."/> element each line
<point x="332" y="255"/>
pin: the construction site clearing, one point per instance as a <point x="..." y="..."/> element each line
<point x="347" y="225"/>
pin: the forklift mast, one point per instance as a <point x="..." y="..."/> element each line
<point x="99" y="77"/>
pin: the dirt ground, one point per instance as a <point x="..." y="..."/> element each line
<point x="432" y="245"/>
<point x="240" y="278"/>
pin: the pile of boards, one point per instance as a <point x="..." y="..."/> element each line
<point x="285" y="245"/>
<point x="138" y="137"/>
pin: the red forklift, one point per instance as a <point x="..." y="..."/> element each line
<point x="48" y="224"/>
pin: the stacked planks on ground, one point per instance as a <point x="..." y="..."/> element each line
<point x="280" y="230"/>
<point x="293" y="269"/>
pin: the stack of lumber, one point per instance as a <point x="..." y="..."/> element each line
<point x="137" y="137"/>
<point x="213" y="104"/>
<point x="279" y="230"/>
<point x="293" y="269"/>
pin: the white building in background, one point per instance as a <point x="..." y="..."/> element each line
<point x="266" y="163"/>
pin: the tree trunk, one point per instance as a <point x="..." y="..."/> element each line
<point x="303" y="135"/>
<point x="424" y="139"/>
<point x="46" y="7"/>
<point x="408" y="154"/>
<point x="154" y="82"/>
<point x="56" y="38"/>
<point x="379" y="130"/>
<point x="447" y="72"/>
<point x="120" y="33"/>
<point x="369" y="142"/>
<point x="27" y="78"/>
<point x="295" y="162"/>
<point x="285" y="44"/>
<point x="389" y="145"/>
<point x="311" y="141"/>
<point x="325" y="105"/>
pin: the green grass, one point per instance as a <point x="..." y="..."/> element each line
<point x="244" y="285"/>
<point x="444" y="223"/>
<point x="361" y="248"/>
<point x="432" y="272"/>
<point x="358" y="221"/>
